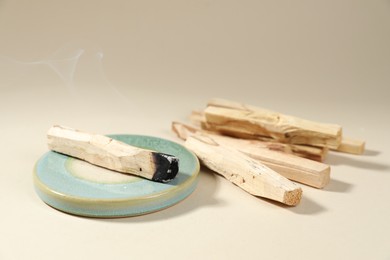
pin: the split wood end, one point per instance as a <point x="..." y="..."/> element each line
<point x="292" y="198"/>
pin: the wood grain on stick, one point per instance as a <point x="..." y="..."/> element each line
<point x="295" y="168"/>
<point x="310" y="152"/>
<point x="245" y="172"/>
<point x="239" y="119"/>
<point x="112" y="154"/>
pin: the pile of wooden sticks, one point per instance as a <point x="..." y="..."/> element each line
<point x="263" y="151"/>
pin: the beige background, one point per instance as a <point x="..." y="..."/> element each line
<point x="134" y="66"/>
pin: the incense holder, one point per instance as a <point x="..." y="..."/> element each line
<point x="77" y="187"/>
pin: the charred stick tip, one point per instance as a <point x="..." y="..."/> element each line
<point x="167" y="167"/>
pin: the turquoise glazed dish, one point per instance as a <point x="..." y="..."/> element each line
<point x="79" y="188"/>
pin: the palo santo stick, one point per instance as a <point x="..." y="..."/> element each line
<point x="197" y="117"/>
<point x="236" y="118"/>
<point x="245" y="172"/>
<point x="183" y="131"/>
<point x="310" y="152"/>
<point x="347" y="145"/>
<point x="292" y="167"/>
<point x="112" y="154"/>
<point x="350" y="145"/>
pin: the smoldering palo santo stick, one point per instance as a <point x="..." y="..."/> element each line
<point x="112" y="154"/>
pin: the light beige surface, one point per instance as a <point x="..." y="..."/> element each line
<point x="134" y="66"/>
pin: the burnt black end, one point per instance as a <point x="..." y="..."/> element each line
<point x="167" y="166"/>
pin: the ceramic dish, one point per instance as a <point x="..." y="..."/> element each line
<point x="79" y="188"/>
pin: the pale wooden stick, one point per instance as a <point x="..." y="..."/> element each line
<point x="295" y="168"/>
<point x="310" y="152"/>
<point x="112" y="154"/>
<point x="197" y="117"/>
<point x="350" y="145"/>
<point x="236" y="118"/>
<point x="245" y="172"/>
<point x="184" y="130"/>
